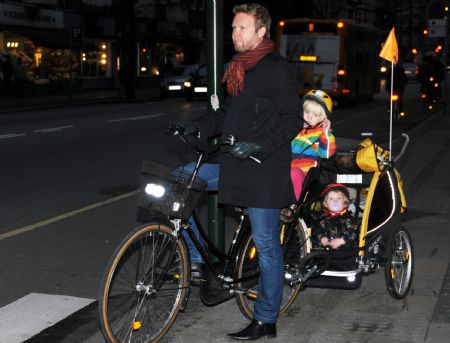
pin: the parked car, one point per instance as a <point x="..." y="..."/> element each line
<point x="411" y="70"/>
<point x="173" y="82"/>
<point x="197" y="85"/>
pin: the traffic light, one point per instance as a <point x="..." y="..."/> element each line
<point x="438" y="49"/>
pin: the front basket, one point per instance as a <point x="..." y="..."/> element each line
<point x="168" y="191"/>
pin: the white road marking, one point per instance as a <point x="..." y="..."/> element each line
<point x="53" y="129"/>
<point x="12" y="135"/>
<point x="35" y="312"/>
<point x="35" y="226"/>
<point x="203" y="108"/>
<point x="149" y="116"/>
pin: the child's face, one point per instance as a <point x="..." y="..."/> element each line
<point x="312" y="115"/>
<point x="335" y="201"/>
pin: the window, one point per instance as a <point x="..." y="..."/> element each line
<point x="96" y="61"/>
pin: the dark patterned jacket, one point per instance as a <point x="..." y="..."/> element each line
<point x="344" y="226"/>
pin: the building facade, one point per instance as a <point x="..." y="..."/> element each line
<point x="98" y="44"/>
<point x="101" y="43"/>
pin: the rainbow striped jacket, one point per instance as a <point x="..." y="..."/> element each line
<point x="309" y="145"/>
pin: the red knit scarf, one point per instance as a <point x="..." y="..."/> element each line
<point x="335" y="214"/>
<point x="235" y="74"/>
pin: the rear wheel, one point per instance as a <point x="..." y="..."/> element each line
<point x="144" y="285"/>
<point x="399" y="265"/>
<point x="293" y="243"/>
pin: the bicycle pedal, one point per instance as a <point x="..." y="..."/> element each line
<point x="252" y="295"/>
<point x="195" y="281"/>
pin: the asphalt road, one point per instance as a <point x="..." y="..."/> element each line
<point x="61" y="217"/>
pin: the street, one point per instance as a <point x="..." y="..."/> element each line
<point x="67" y="195"/>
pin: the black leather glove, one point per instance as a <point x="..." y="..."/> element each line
<point x="242" y="150"/>
<point x="187" y="129"/>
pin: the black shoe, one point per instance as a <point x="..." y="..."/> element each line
<point x="255" y="331"/>
<point x="197" y="270"/>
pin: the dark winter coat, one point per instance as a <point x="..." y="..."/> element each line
<point x="268" y="112"/>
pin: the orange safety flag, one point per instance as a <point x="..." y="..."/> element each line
<point x="390" y="48"/>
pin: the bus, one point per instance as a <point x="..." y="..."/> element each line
<point x="337" y="56"/>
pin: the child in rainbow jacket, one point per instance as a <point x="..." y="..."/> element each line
<point x="315" y="140"/>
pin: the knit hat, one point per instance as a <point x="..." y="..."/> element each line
<point x="335" y="187"/>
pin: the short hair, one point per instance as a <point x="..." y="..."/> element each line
<point x="315" y="107"/>
<point x="261" y="14"/>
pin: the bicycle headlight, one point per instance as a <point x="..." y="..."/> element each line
<point x="155" y="190"/>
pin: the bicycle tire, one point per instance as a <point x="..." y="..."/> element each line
<point x="144" y="285"/>
<point x="399" y="264"/>
<point x="293" y="238"/>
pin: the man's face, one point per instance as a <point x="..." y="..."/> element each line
<point x="245" y="37"/>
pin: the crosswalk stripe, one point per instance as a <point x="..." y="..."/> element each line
<point x="27" y="316"/>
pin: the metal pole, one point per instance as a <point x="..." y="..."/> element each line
<point x="390" y="111"/>
<point x="445" y="62"/>
<point x="216" y="230"/>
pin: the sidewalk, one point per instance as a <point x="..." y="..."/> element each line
<point x="10" y="104"/>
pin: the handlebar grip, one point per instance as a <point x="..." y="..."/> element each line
<point x="174" y="129"/>
<point x="405" y="144"/>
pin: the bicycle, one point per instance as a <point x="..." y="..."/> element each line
<point x="147" y="280"/>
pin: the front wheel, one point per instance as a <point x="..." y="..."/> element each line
<point x="293" y="243"/>
<point x="399" y="265"/>
<point x="144" y="285"/>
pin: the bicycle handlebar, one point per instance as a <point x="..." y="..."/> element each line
<point x="178" y="130"/>
<point x="405" y="144"/>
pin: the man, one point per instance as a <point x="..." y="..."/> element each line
<point x="264" y="112"/>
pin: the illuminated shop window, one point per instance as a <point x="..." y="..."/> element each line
<point x="96" y="61"/>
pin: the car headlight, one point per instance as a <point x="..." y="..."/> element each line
<point x="155" y="190"/>
<point x="187" y="84"/>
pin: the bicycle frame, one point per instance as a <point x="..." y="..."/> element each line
<point x="228" y="259"/>
<point x="154" y="258"/>
<point x="242" y="229"/>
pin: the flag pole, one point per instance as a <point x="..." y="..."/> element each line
<point x="390" y="52"/>
<point x="390" y="112"/>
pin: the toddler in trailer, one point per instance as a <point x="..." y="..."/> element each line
<point x="335" y="227"/>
